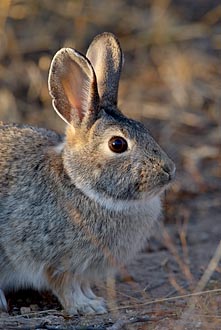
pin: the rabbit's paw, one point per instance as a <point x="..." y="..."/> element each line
<point x="3" y="302"/>
<point x="85" y="304"/>
<point x="89" y="306"/>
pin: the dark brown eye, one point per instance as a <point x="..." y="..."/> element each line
<point x="117" y="144"/>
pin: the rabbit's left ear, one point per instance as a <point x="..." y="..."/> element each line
<point x="73" y="88"/>
<point x="106" y="58"/>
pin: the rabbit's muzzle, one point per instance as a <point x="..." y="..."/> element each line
<point x="156" y="175"/>
<point x="168" y="172"/>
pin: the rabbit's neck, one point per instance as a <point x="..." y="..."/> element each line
<point x="119" y="205"/>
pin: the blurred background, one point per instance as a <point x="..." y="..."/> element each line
<point x="171" y="78"/>
<point x="171" y="81"/>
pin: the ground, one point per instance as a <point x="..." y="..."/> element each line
<point x="171" y="81"/>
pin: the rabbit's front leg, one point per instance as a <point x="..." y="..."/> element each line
<point x="88" y="291"/>
<point x="75" y="295"/>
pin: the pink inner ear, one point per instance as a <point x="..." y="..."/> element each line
<point x="73" y="87"/>
<point x="73" y="94"/>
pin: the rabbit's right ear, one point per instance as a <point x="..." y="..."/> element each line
<point x="106" y="57"/>
<point x="73" y="87"/>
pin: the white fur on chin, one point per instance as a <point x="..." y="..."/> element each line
<point x="118" y="205"/>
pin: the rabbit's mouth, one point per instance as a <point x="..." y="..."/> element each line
<point x="146" y="195"/>
<point x="147" y="190"/>
<point x="162" y="176"/>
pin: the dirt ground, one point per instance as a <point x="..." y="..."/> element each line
<point x="171" y="81"/>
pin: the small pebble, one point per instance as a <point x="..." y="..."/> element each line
<point x="25" y="310"/>
<point x="34" y="307"/>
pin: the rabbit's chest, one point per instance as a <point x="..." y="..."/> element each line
<point x="123" y="234"/>
<point x="129" y="238"/>
<point x="98" y="240"/>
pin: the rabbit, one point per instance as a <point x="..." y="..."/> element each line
<point x="74" y="208"/>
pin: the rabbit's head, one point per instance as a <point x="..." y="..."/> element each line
<point x="105" y="154"/>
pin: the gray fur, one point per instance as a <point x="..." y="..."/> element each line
<point x="106" y="58"/>
<point x="72" y="211"/>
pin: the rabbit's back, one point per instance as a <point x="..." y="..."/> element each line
<point x="21" y="148"/>
<point x="17" y="141"/>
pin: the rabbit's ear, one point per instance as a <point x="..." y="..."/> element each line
<point x="73" y="87"/>
<point x="106" y="58"/>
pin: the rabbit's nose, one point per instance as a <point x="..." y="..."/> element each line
<point x="169" y="169"/>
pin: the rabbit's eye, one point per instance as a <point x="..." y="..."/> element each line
<point x="117" y="144"/>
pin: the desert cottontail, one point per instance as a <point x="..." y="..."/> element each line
<point x="74" y="208"/>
